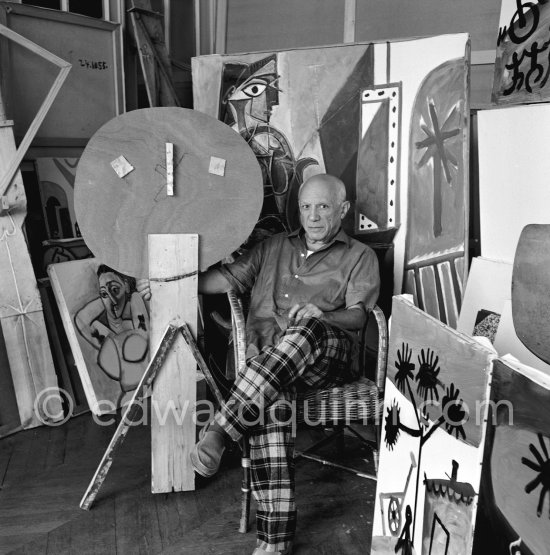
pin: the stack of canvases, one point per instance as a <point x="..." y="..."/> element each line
<point x="444" y="455"/>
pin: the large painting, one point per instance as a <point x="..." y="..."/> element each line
<point x="107" y="324"/>
<point x="390" y="119"/>
<point x="522" y="65"/>
<point x="433" y="433"/>
<point x="516" y="471"/>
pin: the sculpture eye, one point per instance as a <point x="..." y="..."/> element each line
<point x="254" y="88"/>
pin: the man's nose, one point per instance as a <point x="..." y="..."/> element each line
<point x="313" y="214"/>
<point x="112" y="299"/>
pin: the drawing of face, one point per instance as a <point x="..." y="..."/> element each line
<point x="113" y="292"/>
<point x="252" y="94"/>
<point x="321" y="209"/>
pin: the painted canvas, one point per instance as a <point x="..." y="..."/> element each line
<point x="390" y="119"/>
<point x="433" y="432"/>
<point x="488" y="287"/>
<point x="107" y="324"/>
<point x="522" y="65"/>
<point x="515" y="480"/>
<point x="516" y="193"/>
<point x="56" y="178"/>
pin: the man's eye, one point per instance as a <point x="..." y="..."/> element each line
<point x="103" y="294"/>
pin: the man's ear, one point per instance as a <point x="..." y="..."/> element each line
<point x="345" y="207"/>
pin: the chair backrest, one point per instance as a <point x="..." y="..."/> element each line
<point x="373" y="340"/>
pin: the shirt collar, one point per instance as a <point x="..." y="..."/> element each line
<point x="341" y="236"/>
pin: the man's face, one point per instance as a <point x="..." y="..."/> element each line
<point x="112" y="290"/>
<point x="320" y="212"/>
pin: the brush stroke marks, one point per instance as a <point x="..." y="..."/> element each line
<point x="437" y="199"/>
<point x="522" y="65"/>
<point x="516" y="469"/>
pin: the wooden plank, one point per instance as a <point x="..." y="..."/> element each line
<point x="132" y="411"/>
<point x="32" y="369"/>
<point x="173" y="265"/>
<point x="221" y="27"/>
<point x="350" y="9"/>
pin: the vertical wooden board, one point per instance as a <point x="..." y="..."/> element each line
<point x="429" y="291"/>
<point x="449" y="299"/>
<point x="516" y="459"/>
<point x="433" y="433"/>
<point x="516" y="193"/>
<point x="29" y="355"/>
<point x="173" y="264"/>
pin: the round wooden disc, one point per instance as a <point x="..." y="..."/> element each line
<point x="530" y="286"/>
<point x="116" y="214"/>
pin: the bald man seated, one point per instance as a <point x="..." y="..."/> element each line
<point x="310" y="290"/>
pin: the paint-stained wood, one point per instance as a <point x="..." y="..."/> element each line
<point x="116" y="215"/>
<point x="173" y="269"/>
<point x="131" y="414"/>
<point x="530" y="286"/>
<point x="429" y="292"/>
<point x="448" y="293"/>
<point x="21" y="317"/>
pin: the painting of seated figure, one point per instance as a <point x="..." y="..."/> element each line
<point x="107" y="323"/>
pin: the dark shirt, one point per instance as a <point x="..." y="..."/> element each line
<point x="279" y="274"/>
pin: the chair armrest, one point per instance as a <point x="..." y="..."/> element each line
<point x="239" y="330"/>
<point x="382" y="356"/>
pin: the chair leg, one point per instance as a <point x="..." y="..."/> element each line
<point x="245" y="487"/>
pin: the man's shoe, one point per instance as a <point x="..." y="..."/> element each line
<point x="260" y="551"/>
<point x="206" y="455"/>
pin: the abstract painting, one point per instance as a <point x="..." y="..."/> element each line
<point x="354" y="111"/>
<point x="522" y="65"/>
<point x="438" y="168"/>
<point x="107" y="324"/>
<point x="515" y="491"/>
<point x="433" y="432"/>
<point x="56" y="177"/>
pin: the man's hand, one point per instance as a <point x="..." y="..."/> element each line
<point x="143" y="287"/>
<point x="304" y="310"/>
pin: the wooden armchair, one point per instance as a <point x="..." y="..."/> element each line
<point x="337" y="407"/>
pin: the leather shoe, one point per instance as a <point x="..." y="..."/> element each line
<point x="207" y="453"/>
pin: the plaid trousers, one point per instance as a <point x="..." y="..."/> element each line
<point x="312" y="354"/>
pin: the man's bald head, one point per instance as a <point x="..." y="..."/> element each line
<point x="333" y="183"/>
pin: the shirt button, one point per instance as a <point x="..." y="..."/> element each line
<point x="296" y="276"/>
<point x="286" y="295"/>
<point x="302" y="255"/>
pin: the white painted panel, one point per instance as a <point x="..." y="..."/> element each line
<point x="514" y="176"/>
